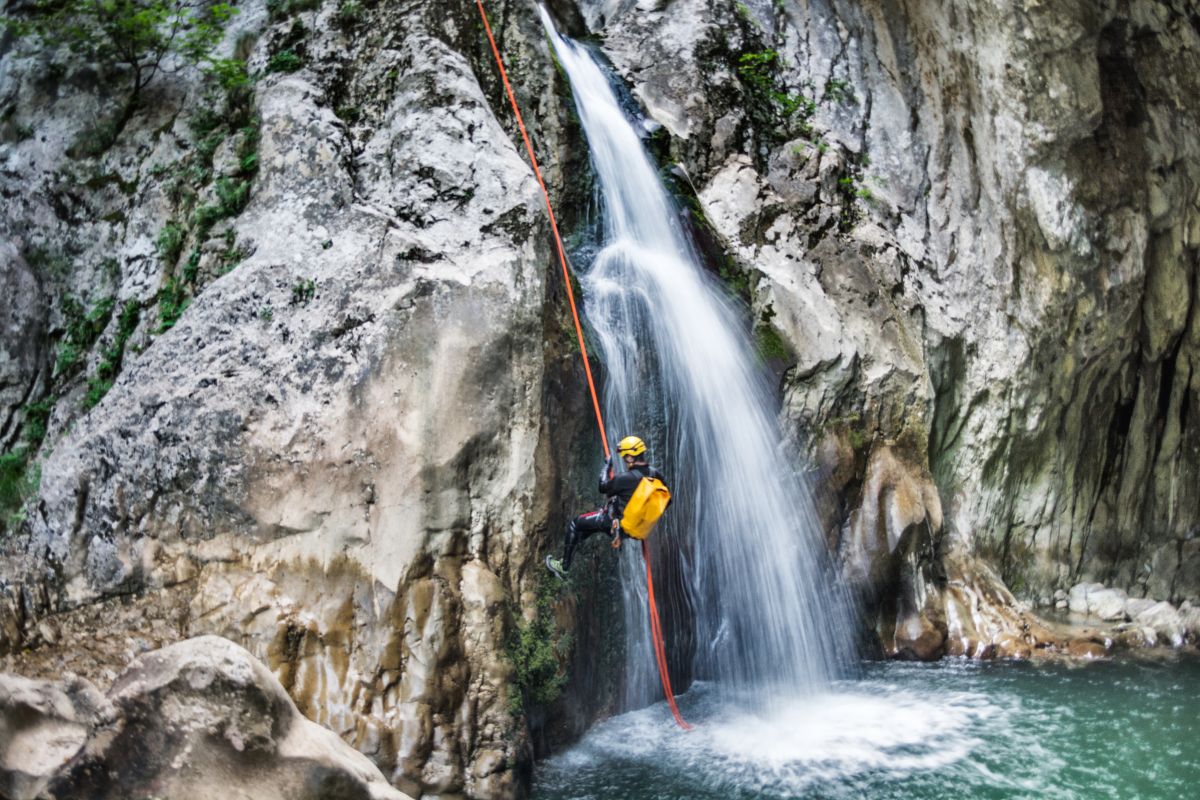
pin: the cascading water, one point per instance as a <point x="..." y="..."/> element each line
<point x="681" y="372"/>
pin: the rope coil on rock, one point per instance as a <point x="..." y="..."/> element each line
<point x="655" y="626"/>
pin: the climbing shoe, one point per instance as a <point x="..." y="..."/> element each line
<point x="556" y="566"/>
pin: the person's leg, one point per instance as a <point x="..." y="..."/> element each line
<point x="581" y="528"/>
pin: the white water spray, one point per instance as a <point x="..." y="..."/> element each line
<point x="681" y="372"/>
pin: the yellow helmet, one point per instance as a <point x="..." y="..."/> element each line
<point x="631" y="446"/>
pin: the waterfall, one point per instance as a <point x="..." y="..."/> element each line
<point x="752" y="579"/>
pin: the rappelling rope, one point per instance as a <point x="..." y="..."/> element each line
<point x="562" y="254"/>
<point x="655" y="626"/>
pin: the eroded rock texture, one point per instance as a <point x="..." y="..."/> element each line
<point x="337" y="455"/>
<point x="198" y="718"/>
<point x="975" y="230"/>
<point x="291" y="367"/>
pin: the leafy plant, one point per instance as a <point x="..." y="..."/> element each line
<point x="170" y="242"/>
<point x="536" y="649"/>
<point x="770" y="342"/>
<point x="113" y="355"/>
<point x="135" y="37"/>
<point x="350" y="13"/>
<point x="839" y="91"/>
<point x="768" y="102"/>
<point x="232" y="194"/>
<point x="285" y="61"/>
<point x="37" y="418"/>
<point x="229" y="73"/>
<point x="303" y="291"/>
<point x="17" y="483"/>
<point x="82" y="330"/>
<point x="172" y="302"/>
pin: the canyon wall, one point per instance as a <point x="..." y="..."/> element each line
<point x="969" y="237"/>
<point x="287" y="361"/>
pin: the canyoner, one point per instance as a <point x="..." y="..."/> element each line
<point x="636" y="501"/>
<point x="655" y="624"/>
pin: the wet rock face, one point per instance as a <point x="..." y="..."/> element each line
<point x="977" y="234"/>
<point x="199" y="718"/>
<point x="22" y="341"/>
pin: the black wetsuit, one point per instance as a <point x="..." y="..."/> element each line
<point x="619" y="489"/>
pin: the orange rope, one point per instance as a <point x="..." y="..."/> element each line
<point x="562" y="255"/>
<point x="660" y="652"/>
<point x="655" y="626"/>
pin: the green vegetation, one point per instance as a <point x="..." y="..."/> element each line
<point x="37" y="418"/>
<point x="839" y="91"/>
<point x="282" y="9"/>
<point x="734" y="277"/>
<point x="537" y="649"/>
<point x="230" y="74"/>
<point x="851" y="189"/>
<point x="131" y="38"/>
<point x="771" y="105"/>
<point x="113" y="355"/>
<point x="303" y="290"/>
<point x="350" y="13"/>
<point x="18" y="481"/>
<point x="170" y="242"/>
<point x="82" y="330"/>
<point x="771" y="345"/>
<point x="285" y="61"/>
<point x="19" y="478"/>
<point x="746" y="14"/>
<point x="228" y="115"/>
<point x="172" y="302"/>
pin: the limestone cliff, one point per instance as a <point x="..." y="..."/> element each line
<point x="289" y="365"/>
<point x="292" y="366"/>
<point x="972" y="238"/>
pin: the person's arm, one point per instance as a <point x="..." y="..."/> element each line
<point x="606" y="476"/>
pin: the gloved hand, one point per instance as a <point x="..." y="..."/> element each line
<point x="606" y="470"/>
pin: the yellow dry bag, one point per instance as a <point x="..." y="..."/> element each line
<point x="647" y="504"/>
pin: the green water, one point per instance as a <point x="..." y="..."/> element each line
<point x="1121" y="729"/>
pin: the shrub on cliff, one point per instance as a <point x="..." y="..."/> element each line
<point x="136" y="39"/>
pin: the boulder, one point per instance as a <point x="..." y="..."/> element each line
<point x="1190" y="615"/>
<point x="1134" y="635"/>
<point x="1166" y="622"/>
<point x="201" y="718"/>
<point x="1077" y="599"/>
<point x="42" y="726"/>
<point x="1107" y="604"/>
<point x="1136" y="605"/>
<point x="1086" y="649"/>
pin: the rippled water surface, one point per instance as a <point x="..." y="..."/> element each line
<point x="1125" y="729"/>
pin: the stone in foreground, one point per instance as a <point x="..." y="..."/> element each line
<point x="202" y="718"/>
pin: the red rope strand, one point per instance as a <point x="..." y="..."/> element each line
<point x="660" y="653"/>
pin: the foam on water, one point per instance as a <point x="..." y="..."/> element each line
<point x="955" y="729"/>
<point x="833" y="737"/>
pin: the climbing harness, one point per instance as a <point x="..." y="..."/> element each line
<point x="655" y="626"/>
